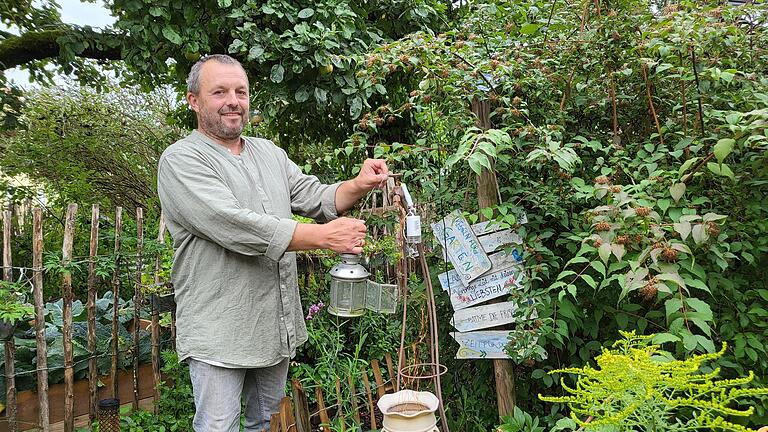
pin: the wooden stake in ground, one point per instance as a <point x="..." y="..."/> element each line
<point x="367" y="386"/>
<point x="156" y="315"/>
<point x="324" y="419"/>
<point x="91" y="306"/>
<point x="10" y="348"/>
<point x="340" y="410"/>
<point x="69" y="372"/>
<point x="301" y="407"/>
<point x="116" y="300"/>
<point x="137" y="304"/>
<point x="353" y="399"/>
<point x="487" y="196"/>
<point x="42" y="346"/>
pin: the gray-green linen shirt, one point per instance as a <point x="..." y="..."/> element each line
<point x="230" y="218"/>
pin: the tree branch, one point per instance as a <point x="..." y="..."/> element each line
<point x="40" y="45"/>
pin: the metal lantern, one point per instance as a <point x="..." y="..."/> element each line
<point x="348" y="287"/>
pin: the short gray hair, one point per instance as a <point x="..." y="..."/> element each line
<point x="193" y="80"/>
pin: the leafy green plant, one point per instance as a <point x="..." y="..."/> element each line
<point x="638" y="387"/>
<point x="519" y="421"/>
<point x="13" y="307"/>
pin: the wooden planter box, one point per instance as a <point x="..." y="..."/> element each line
<point x="27" y="416"/>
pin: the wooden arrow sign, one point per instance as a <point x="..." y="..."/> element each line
<point x="487" y="287"/>
<point x="481" y="317"/>
<point x="464" y="250"/>
<point x="491" y="344"/>
<point x="499" y="261"/>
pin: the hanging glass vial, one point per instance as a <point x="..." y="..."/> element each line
<point x="349" y="280"/>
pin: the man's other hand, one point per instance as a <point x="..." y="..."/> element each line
<point x="373" y="174"/>
<point x="345" y="235"/>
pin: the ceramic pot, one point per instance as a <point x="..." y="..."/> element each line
<point x="409" y="411"/>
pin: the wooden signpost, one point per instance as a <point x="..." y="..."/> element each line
<point x="464" y="250"/>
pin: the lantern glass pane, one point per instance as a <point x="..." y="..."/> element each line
<point x="358" y="296"/>
<point x="388" y="299"/>
<point x="345" y="298"/>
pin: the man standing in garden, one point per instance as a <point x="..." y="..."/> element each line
<point x="228" y="201"/>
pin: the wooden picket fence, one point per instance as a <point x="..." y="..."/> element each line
<point x="295" y="414"/>
<point x="43" y="422"/>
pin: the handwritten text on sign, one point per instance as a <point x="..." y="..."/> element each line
<point x="487" y="287"/>
<point x="481" y="317"/>
<point x="492" y="344"/>
<point x="499" y="261"/>
<point x="466" y="254"/>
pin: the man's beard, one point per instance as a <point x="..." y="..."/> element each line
<point x="213" y="124"/>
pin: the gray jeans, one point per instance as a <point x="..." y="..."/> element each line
<point x="218" y="393"/>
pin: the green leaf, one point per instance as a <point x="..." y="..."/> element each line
<point x="589" y="280"/>
<point x="690" y="342"/>
<point x="663" y="205"/>
<point x="683" y="228"/>
<point x="302" y="94"/>
<point x="661" y="338"/>
<point x="529" y="28"/>
<point x="700" y="306"/>
<point x="171" y="35"/>
<point x="600" y="267"/>
<point x="723" y="148"/>
<point x="711" y="217"/>
<point x="255" y="52"/>
<point x="225" y="3"/>
<point x="672" y="306"/>
<point x="720" y="169"/>
<point x="605" y="252"/>
<point x="306" y="13"/>
<point x="356" y="107"/>
<point x="321" y="96"/>
<point x="277" y="73"/>
<point x="156" y="11"/>
<point x="677" y="191"/>
<point x="687" y="164"/>
<point x="699" y="233"/>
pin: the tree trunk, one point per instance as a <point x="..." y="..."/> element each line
<point x="487" y="196"/>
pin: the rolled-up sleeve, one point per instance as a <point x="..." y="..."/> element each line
<point x="194" y="195"/>
<point x="310" y="197"/>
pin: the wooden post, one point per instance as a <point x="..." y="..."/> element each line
<point x="301" y="407"/>
<point x="42" y="347"/>
<point x="340" y="410"/>
<point x="156" y="316"/>
<point x="321" y="406"/>
<point x="274" y="423"/>
<point x="286" y="414"/>
<point x="116" y="300"/>
<point x="380" y="391"/>
<point x="390" y="370"/>
<point x="353" y="399"/>
<point x="10" y="347"/>
<point x="69" y="373"/>
<point x="137" y="303"/>
<point x="93" y="374"/>
<point x="487" y="196"/>
<point x="367" y="386"/>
